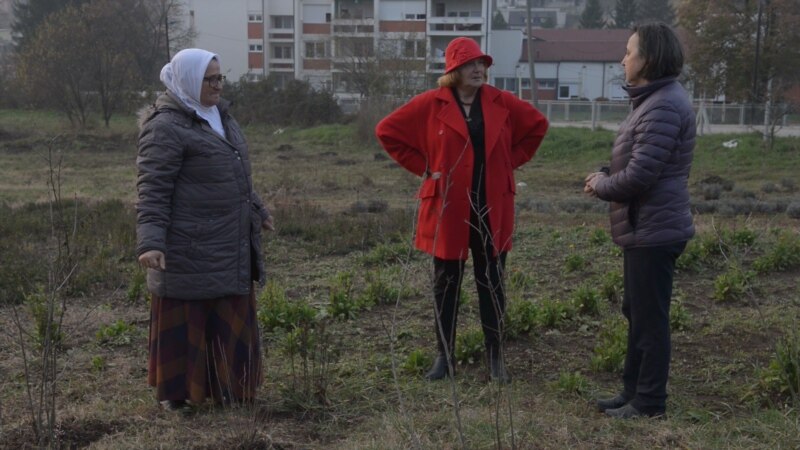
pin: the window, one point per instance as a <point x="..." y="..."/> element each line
<point x="255" y="18"/>
<point x="546" y="84"/>
<point x="256" y="48"/>
<point x="282" y="22"/>
<point x="509" y="84"/>
<point x="415" y="16"/>
<point x="282" y="51"/>
<point x="317" y="50"/>
<point x="413" y="49"/>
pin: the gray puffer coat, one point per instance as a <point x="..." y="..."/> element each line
<point x="196" y="204"/>
<point x="650" y="163"/>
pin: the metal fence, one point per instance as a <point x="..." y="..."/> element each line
<point x="715" y="113"/>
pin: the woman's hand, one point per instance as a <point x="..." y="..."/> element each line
<point x="267" y="224"/>
<point x="591" y="181"/>
<point x="153" y="259"/>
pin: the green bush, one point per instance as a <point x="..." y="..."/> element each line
<point x="519" y="281"/>
<point x="609" y="354"/>
<point x="521" y="317"/>
<point x="553" y="313"/>
<point x="611" y="286"/>
<point x="731" y="285"/>
<point x="574" y="262"/>
<point x="599" y="237"/>
<point x="116" y="334"/>
<point x="387" y="253"/>
<point x="679" y="318"/>
<point x="343" y="305"/>
<point x="781" y="378"/>
<point x="381" y="290"/>
<point x="46" y="313"/>
<point x="297" y="103"/>
<point x="138" y="287"/>
<point x="783" y="255"/>
<point x="417" y="362"/>
<point x="586" y="300"/>
<point x="276" y="312"/>
<point x="469" y="346"/>
<point x="572" y="383"/>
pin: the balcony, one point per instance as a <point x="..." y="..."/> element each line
<point x="456" y="26"/>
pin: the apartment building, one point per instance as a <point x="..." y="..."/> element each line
<point x="336" y="44"/>
<point x="325" y="41"/>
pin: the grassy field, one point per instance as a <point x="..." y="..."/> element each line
<point x="347" y="319"/>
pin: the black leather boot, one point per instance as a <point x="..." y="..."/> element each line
<point x="440" y="368"/>
<point x="497" y="365"/>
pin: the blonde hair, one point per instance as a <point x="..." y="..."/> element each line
<point x="453" y="78"/>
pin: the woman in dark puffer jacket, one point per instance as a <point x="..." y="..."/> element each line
<point x="647" y="185"/>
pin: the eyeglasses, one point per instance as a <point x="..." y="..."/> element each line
<point x="215" y="80"/>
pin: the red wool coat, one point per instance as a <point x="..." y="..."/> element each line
<point x="428" y="136"/>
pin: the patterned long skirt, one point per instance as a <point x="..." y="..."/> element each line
<point x="204" y="348"/>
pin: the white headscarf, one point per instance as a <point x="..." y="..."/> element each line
<point x="183" y="76"/>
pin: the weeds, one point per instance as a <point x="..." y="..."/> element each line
<point x="679" y="318"/>
<point x="116" y="334"/>
<point x="343" y="304"/>
<point x="586" y="300"/>
<point x="611" y="286"/>
<point x="609" y="354"/>
<point x="554" y="313"/>
<point x="469" y="346"/>
<point x="781" y="378"/>
<point x="575" y="262"/>
<point x="784" y="255"/>
<point x="731" y="285"/>
<point x="572" y="383"/>
<point x="521" y="317"/>
<point x="416" y="362"/>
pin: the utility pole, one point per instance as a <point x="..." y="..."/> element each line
<point x="532" y="72"/>
<point x="754" y="97"/>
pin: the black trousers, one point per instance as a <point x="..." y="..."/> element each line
<point x="488" y="272"/>
<point x="648" y="275"/>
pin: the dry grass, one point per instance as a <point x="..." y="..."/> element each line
<point x="312" y="187"/>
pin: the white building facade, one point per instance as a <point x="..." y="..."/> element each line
<point x="325" y="42"/>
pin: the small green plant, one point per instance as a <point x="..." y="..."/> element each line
<point x="609" y="354"/>
<point x="611" y="286"/>
<point x="521" y="317"/>
<point x="554" y="313"/>
<point x="519" y="281"/>
<point x="380" y="291"/>
<point x="784" y="255"/>
<point x="343" y="305"/>
<point x="572" y="383"/>
<point x="138" y="287"/>
<point x="98" y="364"/>
<point x="48" y="327"/>
<point x="599" y="237"/>
<point x="731" y="285"/>
<point x="276" y="312"/>
<point x="469" y="346"/>
<point x="679" y="318"/>
<point x="574" y="262"/>
<point x="417" y="362"/>
<point x="116" y="334"/>
<point x="387" y="253"/>
<point x="586" y="300"/>
<point x="781" y="378"/>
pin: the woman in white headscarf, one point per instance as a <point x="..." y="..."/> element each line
<point x="198" y="232"/>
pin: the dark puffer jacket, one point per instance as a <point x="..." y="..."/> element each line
<point x="650" y="163"/>
<point x="196" y="204"/>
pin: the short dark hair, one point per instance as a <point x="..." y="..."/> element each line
<point x="661" y="50"/>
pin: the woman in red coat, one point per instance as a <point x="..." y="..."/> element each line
<point x="465" y="139"/>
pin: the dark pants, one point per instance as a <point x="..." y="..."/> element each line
<point x="489" y="280"/>
<point x="648" y="289"/>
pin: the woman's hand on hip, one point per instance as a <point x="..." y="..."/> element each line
<point x="153" y="259"/>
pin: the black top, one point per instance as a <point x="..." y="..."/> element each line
<point x="475" y="126"/>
